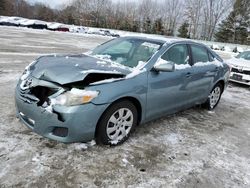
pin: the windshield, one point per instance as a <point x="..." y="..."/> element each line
<point x="244" y="55"/>
<point x="128" y="52"/>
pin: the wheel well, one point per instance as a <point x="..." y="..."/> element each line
<point x="135" y="102"/>
<point x="131" y="99"/>
<point x="222" y="83"/>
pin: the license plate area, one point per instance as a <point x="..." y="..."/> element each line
<point x="237" y="77"/>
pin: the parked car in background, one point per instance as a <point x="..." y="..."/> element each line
<point x="77" y="29"/>
<point x="107" y="92"/>
<point x="240" y="71"/>
<point x="11" y="21"/>
<point x="238" y="49"/>
<point x="106" y="32"/>
<point x="215" y="47"/>
<point x="34" y="24"/>
<point x="226" y="49"/>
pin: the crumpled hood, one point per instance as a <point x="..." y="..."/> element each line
<point x="74" y="68"/>
<point x="239" y="62"/>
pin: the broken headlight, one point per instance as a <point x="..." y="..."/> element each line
<point x="75" y="97"/>
<point x="27" y="71"/>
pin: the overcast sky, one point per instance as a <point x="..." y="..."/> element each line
<point x="55" y="3"/>
<point x="52" y="3"/>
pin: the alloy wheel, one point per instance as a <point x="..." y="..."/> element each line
<point x="119" y="124"/>
<point x="214" y="97"/>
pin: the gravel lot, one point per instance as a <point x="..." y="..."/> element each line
<point x="194" y="148"/>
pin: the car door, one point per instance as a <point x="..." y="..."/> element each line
<point x="167" y="91"/>
<point x="202" y="73"/>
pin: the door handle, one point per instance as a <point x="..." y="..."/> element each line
<point x="188" y="75"/>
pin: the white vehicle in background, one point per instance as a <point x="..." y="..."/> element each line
<point x="240" y="65"/>
<point x="77" y="29"/>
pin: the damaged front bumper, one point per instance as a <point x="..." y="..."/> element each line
<point x="64" y="124"/>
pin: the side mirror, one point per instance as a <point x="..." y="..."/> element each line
<point x="164" y="66"/>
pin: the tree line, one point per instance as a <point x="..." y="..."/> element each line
<point x="220" y="20"/>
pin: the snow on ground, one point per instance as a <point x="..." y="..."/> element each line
<point x="226" y="55"/>
<point x="193" y="148"/>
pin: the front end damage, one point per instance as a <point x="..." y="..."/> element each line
<point x="51" y="98"/>
<point x="36" y="108"/>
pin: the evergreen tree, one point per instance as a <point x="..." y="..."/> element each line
<point x="234" y="28"/>
<point x="183" y="30"/>
<point x="2" y="7"/>
<point x="135" y="26"/>
<point x="147" y="25"/>
<point x="158" y="27"/>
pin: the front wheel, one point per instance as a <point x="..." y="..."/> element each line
<point x="214" y="97"/>
<point x="117" y="123"/>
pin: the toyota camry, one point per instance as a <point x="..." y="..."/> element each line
<point x="105" y="93"/>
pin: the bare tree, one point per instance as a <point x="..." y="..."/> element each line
<point x="214" y="11"/>
<point x="194" y="14"/>
<point x="128" y="14"/>
<point x="151" y="16"/>
<point x="92" y="10"/>
<point x="171" y="11"/>
<point x="148" y="12"/>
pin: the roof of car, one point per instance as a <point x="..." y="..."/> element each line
<point x="160" y="38"/>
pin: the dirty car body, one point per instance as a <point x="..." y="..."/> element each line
<point x="64" y="98"/>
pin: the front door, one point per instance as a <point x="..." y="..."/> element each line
<point x="168" y="91"/>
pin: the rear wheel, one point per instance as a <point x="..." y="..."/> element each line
<point x="214" y="97"/>
<point x="117" y="123"/>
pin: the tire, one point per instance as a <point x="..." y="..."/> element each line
<point x="117" y="123"/>
<point x="214" y="97"/>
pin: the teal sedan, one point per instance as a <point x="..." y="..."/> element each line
<point x="105" y="93"/>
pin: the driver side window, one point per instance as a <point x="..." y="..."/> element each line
<point x="177" y="54"/>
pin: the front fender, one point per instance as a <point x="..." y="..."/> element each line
<point x="135" y="87"/>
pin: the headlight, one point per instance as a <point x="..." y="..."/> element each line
<point x="75" y="97"/>
<point x="26" y="72"/>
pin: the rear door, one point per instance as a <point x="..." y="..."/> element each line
<point x="202" y="73"/>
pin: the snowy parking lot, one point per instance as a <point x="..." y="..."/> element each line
<point x="193" y="148"/>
